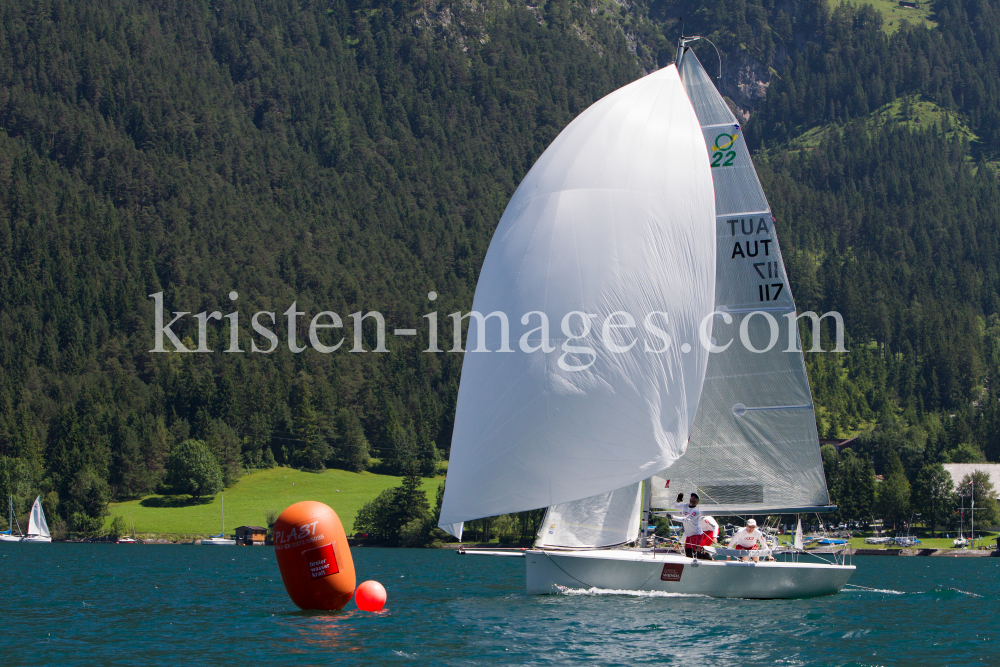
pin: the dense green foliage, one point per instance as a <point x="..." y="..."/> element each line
<point x="399" y="516"/>
<point x="192" y="469"/>
<point x="355" y="155"/>
<point x="340" y="155"/>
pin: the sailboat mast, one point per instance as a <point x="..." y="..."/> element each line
<point x="647" y="488"/>
<point x="961" y="516"/>
<point x="223" y="515"/>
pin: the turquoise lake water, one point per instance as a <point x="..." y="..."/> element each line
<point x="91" y="604"/>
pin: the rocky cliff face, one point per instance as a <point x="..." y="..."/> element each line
<point x="744" y="80"/>
<point x="744" y="83"/>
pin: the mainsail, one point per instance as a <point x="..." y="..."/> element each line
<point x="616" y="215"/>
<point x="754" y="446"/>
<point x="36" y="521"/>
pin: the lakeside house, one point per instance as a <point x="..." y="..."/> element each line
<point x="839" y="443"/>
<point x="251" y="535"/>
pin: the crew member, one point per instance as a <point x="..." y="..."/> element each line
<point x="690" y="516"/>
<point x="748" y="539"/>
<point x="710" y="529"/>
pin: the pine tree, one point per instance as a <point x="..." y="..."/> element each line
<point x="977" y="486"/>
<point x="893" y="497"/>
<point x="311" y="449"/>
<point x="933" y="495"/>
<point x="224" y="444"/>
<point x="352" y="446"/>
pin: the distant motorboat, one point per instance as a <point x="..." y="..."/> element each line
<point x="38" y="529"/>
<point x="129" y="539"/>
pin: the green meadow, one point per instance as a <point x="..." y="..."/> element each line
<point x="915" y="113"/>
<point x="253" y="496"/>
<point x="893" y="14"/>
<point x="984" y="540"/>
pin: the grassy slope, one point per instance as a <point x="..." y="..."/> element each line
<point x="922" y="114"/>
<point x="892" y="13"/>
<point x="249" y="500"/>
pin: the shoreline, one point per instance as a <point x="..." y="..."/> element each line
<point x="947" y="553"/>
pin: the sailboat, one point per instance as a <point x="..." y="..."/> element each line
<point x="130" y="538"/>
<point x="220" y="539"/>
<point x="38" y="529"/>
<point x="627" y="218"/>
<point x="8" y="535"/>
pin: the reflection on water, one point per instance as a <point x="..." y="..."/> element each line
<point x="314" y="631"/>
<point x="106" y="604"/>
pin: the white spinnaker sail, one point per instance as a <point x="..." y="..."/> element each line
<point x="754" y="445"/>
<point x="616" y="215"/>
<point x="36" y="521"/>
<point x="604" y="520"/>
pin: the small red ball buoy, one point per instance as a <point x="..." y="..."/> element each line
<point x="312" y="553"/>
<point x="370" y="596"/>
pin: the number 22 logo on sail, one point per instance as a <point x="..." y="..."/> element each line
<point x="721" y="155"/>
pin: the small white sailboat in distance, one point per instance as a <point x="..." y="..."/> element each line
<point x="8" y="535"/>
<point x="220" y="539"/>
<point x="627" y="216"/>
<point x="38" y="529"/>
<point x="130" y="538"/>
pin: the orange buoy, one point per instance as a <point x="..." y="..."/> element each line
<point x="313" y="556"/>
<point x="370" y="596"/>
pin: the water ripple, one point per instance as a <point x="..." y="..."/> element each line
<point x="102" y="604"/>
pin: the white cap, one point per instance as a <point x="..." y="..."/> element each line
<point x="751" y="522"/>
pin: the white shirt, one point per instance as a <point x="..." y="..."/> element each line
<point x="690" y="517"/>
<point x="709" y="525"/>
<point x="745" y="539"/>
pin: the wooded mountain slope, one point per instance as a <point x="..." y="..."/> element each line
<point x="354" y="156"/>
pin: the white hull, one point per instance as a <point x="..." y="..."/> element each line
<point x="36" y="538"/>
<point x="643" y="570"/>
<point x="218" y="542"/>
<point x="10" y="538"/>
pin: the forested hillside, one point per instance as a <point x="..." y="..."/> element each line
<point x="355" y="156"/>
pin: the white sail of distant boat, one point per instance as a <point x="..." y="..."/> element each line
<point x="38" y="529"/>
<point x="8" y="535"/>
<point x="220" y="540"/>
<point x="586" y="231"/>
